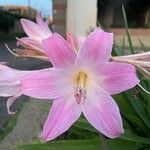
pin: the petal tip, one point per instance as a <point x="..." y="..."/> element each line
<point x="23" y="21"/>
<point x="117" y="134"/>
<point x="46" y="137"/>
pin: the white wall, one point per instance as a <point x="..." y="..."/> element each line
<point x="81" y="16"/>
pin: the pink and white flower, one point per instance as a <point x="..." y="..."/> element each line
<point x="36" y="32"/>
<point x="81" y="82"/>
<point x="32" y="45"/>
<point x="10" y="84"/>
<point x="140" y="61"/>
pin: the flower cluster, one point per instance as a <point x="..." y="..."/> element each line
<point x="141" y="61"/>
<point x="81" y="80"/>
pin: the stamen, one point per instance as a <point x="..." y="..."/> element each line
<point x="82" y="79"/>
<point x="80" y="90"/>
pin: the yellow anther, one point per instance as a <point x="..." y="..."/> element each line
<point x="82" y="79"/>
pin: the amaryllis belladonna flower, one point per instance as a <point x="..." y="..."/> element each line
<point x="141" y="61"/>
<point x="33" y="43"/>
<point x="10" y="84"/>
<point x="36" y="31"/>
<point x="81" y="82"/>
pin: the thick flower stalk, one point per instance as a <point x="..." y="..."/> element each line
<point x="81" y="82"/>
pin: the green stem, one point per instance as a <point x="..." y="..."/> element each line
<point x="127" y="31"/>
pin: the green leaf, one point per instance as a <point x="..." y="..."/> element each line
<point x="134" y="138"/>
<point x="116" y="50"/>
<point x="124" y="105"/>
<point x="142" y="46"/>
<point x="137" y="105"/>
<point x="93" y="144"/>
<point x="79" y="133"/>
<point x="82" y="123"/>
<point x="127" y="31"/>
<point x="137" y="123"/>
<point x="123" y="46"/>
<point x="148" y="108"/>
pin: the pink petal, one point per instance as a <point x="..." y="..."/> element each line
<point x="75" y="42"/>
<point x="117" y="77"/>
<point x="10" y="84"/>
<point x="31" y="43"/>
<point x="49" y="20"/>
<point x="58" y="51"/>
<point x="96" y="48"/>
<point x="10" y="101"/>
<point x="11" y="75"/>
<point x="46" y="84"/>
<point x="64" y="112"/>
<point x="32" y="29"/>
<point x="103" y="113"/>
<point x="72" y="41"/>
<point x="42" y="24"/>
<point x="5" y="73"/>
<point x="10" y="81"/>
<point x="9" y="88"/>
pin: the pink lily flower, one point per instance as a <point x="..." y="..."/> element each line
<point x="140" y="61"/>
<point x="33" y="43"/>
<point x="36" y="31"/>
<point x="10" y="84"/>
<point x="82" y="82"/>
<point x="31" y="51"/>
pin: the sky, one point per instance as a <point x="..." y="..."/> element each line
<point x="45" y="6"/>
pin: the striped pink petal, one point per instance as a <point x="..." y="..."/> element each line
<point x="96" y="48"/>
<point x="72" y="41"/>
<point x="10" y="84"/>
<point x="75" y="42"/>
<point x="46" y="84"/>
<point x="9" y="88"/>
<point x="59" y="51"/>
<point x="30" y="43"/>
<point x="102" y="112"/>
<point x="44" y="27"/>
<point x="64" y="112"/>
<point x="117" y="77"/>
<point x="32" y="29"/>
